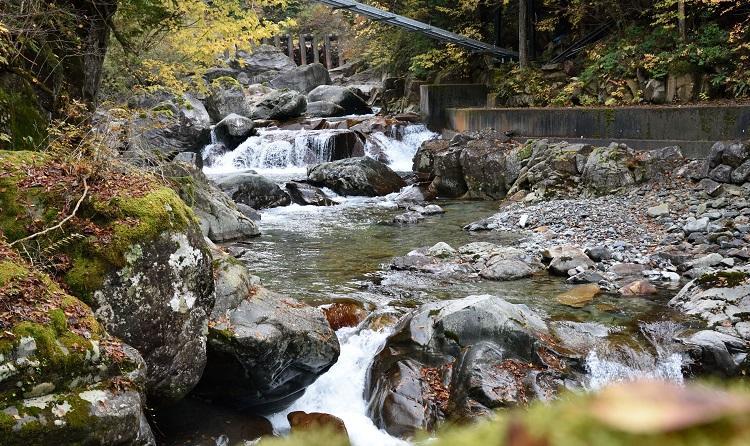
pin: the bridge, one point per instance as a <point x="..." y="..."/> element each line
<point x="416" y="26"/>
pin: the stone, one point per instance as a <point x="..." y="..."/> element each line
<point x="706" y="261"/>
<point x="344" y="97"/>
<point x="608" y="169"/>
<point x="356" y="176"/>
<point x="658" y="211"/>
<point x="638" y="288"/>
<point x="579" y="296"/>
<point x="264" y="63"/>
<point x="303" y="79"/>
<point x="655" y="91"/>
<point x="741" y="174"/>
<point x="505" y="270"/>
<point x="569" y="260"/>
<point x="588" y="276"/>
<point x="718" y="352"/>
<point x="711" y="187"/>
<point x="280" y="105"/>
<point x="234" y="130"/>
<point x="721" y="173"/>
<point x="324" y="109"/>
<point x="316" y="422"/>
<point x="264" y="349"/>
<point x="220" y="219"/>
<point x="696" y="225"/>
<point x="252" y="190"/>
<point x="191" y="159"/>
<point x="226" y="98"/>
<point x="344" y="314"/>
<point x="735" y="154"/>
<point x="490" y="166"/>
<point x="599" y="253"/>
<point x="408" y="218"/>
<point x="442" y="250"/>
<point x="408" y="389"/>
<point x="307" y="195"/>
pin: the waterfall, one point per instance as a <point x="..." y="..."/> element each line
<point x="609" y="364"/>
<point x="340" y="391"/>
<point x="293" y="150"/>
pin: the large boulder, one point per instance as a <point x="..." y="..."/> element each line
<point x="218" y="215"/>
<point x="729" y="162"/>
<point x="609" y="168"/>
<point x="722" y="300"/>
<point x="234" y="130"/>
<point x="264" y="348"/>
<point x="458" y="359"/>
<point x="252" y="190"/>
<point x="324" y="109"/>
<point x="227" y="97"/>
<point x="344" y="97"/>
<point x="552" y="170"/>
<point x="307" y="195"/>
<point x="263" y="63"/>
<point x="280" y="105"/>
<point x="303" y="79"/>
<point x="63" y="379"/>
<point x="138" y="258"/>
<point x="356" y="176"/>
<point x="490" y="166"/>
<point x="166" y="127"/>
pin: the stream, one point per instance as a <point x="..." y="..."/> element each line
<point x="340" y="253"/>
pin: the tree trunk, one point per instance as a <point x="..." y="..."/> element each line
<point x="681" y="19"/>
<point x="523" y="27"/>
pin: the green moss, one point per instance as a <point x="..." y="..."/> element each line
<point x="138" y="220"/>
<point x="525" y="152"/>
<point x="723" y="279"/>
<point x="10" y="270"/>
<point x="24" y="121"/>
<point x="86" y="276"/>
<point x="225" y="81"/>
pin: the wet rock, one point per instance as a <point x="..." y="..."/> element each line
<point x="588" y="276"/>
<point x="324" y="109"/>
<point x="579" y="296"/>
<point x="301" y="422"/>
<point x="344" y="97"/>
<point x="356" y="176"/>
<point x="424" y="159"/>
<point x="408" y="218"/>
<point x="411" y="384"/>
<point x="303" y="79"/>
<point x="718" y="352"/>
<point x="252" y="190"/>
<point x="638" y="288"/>
<point x="344" y="314"/>
<point x="234" y="130"/>
<point x="507" y="264"/>
<point x="264" y="349"/>
<point x="490" y="166"/>
<point x="307" y="195"/>
<point x="415" y="194"/>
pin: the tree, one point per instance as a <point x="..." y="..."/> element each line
<point x="523" y="28"/>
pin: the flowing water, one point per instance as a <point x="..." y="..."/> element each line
<point x="327" y="254"/>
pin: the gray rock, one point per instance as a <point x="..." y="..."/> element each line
<point x="408" y="218"/>
<point x="504" y="270"/>
<point x="280" y="105"/>
<point x="191" y="159"/>
<point x="303" y="79"/>
<point x="599" y="253"/>
<point x="344" y="97"/>
<point x="265" y="351"/>
<point x="696" y="225"/>
<point x="719" y="353"/>
<point x="159" y="303"/>
<point x="711" y="187"/>
<point x="741" y="174"/>
<point x="439" y="337"/>
<point x="234" y="130"/>
<point x="735" y="154"/>
<point x="442" y="250"/>
<point x="567" y="258"/>
<point x="324" y="109"/>
<point x="721" y="173"/>
<point x="307" y="195"/>
<point x="227" y="98"/>
<point x="252" y="190"/>
<point x="608" y="169"/>
<point x="262" y="64"/>
<point x="220" y="218"/>
<point x="655" y="91"/>
<point x="356" y="176"/>
<point x="658" y="211"/>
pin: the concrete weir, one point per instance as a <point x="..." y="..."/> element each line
<point x="694" y="128"/>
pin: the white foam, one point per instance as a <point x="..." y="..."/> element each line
<point x="340" y="391"/>
<point x="602" y="372"/>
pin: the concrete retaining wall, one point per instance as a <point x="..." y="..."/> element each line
<point x="435" y="100"/>
<point x="694" y="129"/>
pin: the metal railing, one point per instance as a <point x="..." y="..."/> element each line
<point x="420" y="27"/>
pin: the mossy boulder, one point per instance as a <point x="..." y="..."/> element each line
<point x="63" y="379"/>
<point x="133" y="251"/>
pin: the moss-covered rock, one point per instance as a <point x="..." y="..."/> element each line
<point x="63" y="378"/>
<point x="133" y="251"/>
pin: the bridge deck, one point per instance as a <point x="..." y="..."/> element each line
<point x="420" y="27"/>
